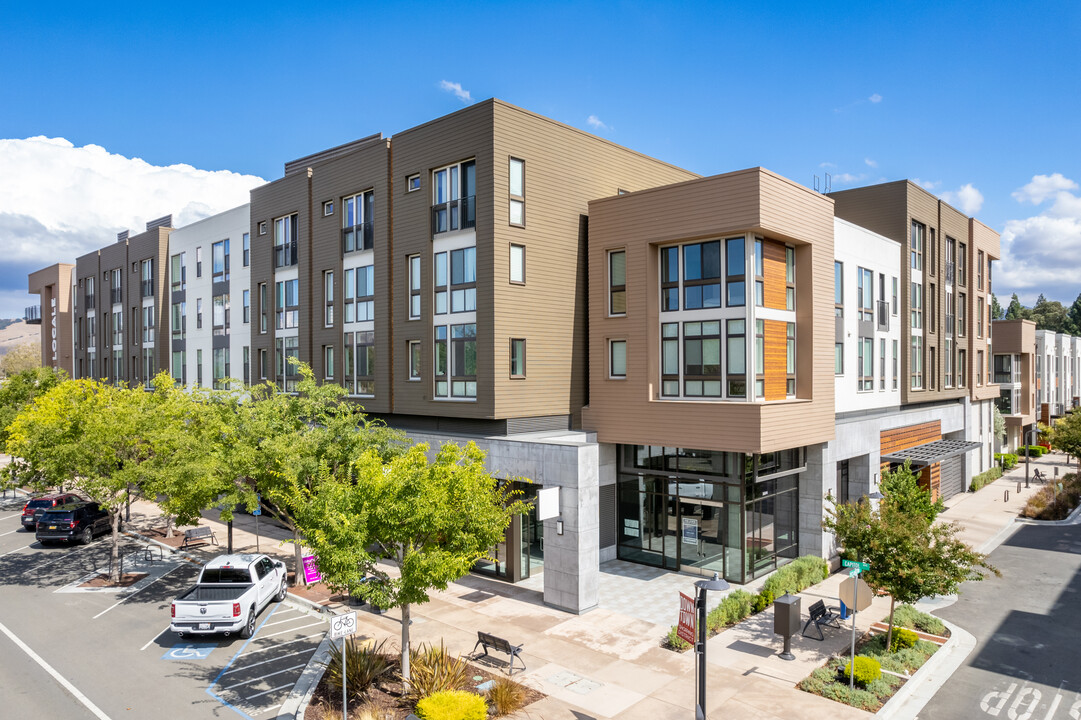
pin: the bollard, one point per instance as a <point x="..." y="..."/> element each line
<point x="1006" y="495"/>
<point x="1018" y="487"/>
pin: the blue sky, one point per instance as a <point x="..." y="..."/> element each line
<point x="982" y="107"/>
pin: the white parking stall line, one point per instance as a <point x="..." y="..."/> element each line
<point x="94" y="709"/>
<point x="9" y="552"/>
<point x="283" y="632"/>
<point x="292" y="619"/>
<point x="262" y="677"/>
<point x="144" y="647"/>
<point x="10" y="531"/>
<point x="278" y="645"/>
<point x="261" y="662"/>
<point x="267" y="692"/>
<point x="12" y="516"/>
<point x="129" y="597"/>
<point x="266" y="710"/>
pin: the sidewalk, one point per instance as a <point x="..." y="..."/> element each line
<point x="609" y="664"/>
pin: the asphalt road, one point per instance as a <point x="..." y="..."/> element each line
<point x="73" y="654"/>
<point x="1028" y="628"/>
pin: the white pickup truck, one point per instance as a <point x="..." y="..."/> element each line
<point x="230" y="593"/>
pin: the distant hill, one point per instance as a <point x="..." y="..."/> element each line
<point x="16" y="332"/>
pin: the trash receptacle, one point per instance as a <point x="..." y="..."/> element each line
<point x="844" y="611"/>
<point x="786" y="621"/>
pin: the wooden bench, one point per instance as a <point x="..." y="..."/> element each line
<point x="199" y="536"/>
<point x="819" y="616"/>
<point x="497" y="643"/>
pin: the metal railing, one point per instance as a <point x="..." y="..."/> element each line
<point x="454" y="215"/>
<point x="358" y="237"/>
<point x="148" y="288"/>
<point x="32" y="315"/>
<point x="285" y="255"/>
<point x="116" y="296"/>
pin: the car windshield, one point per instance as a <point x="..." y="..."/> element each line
<point x="57" y="516"/>
<point x="40" y="504"/>
<point x="226" y="575"/>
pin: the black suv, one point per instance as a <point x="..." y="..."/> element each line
<point x="74" y="522"/>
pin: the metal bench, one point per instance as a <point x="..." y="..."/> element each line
<point x="199" y="536"/>
<point x="486" y="641"/>
<point x="819" y="616"/>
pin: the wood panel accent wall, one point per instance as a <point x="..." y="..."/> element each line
<point x="776" y="359"/>
<point x="902" y="438"/>
<point x="773" y="275"/>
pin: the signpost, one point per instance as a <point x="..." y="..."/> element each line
<point x="341" y="627"/>
<point x="257" y="512"/>
<point x="685" y="629"/>
<point x="856" y="595"/>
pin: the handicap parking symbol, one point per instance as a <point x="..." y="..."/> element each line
<point x="189" y="651"/>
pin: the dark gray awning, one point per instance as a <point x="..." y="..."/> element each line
<point x="931" y="452"/>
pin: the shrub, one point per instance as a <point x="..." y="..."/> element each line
<point x="903" y="639"/>
<point x="867" y="670"/>
<point x="739" y="604"/>
<point x="907" y="616"/>
<point x="506" y="696"/>
<point x="797" y="575"/>
<point x="432" y="670"/>
<point x="985" y="478"/>
<point x="452" y="705"/>
<point x="674" y="642"/>
<point x="1050" y="504"/>
<point x="365" y="663"/>
<point x="856" y="697"/>
<point x="762" y="600"/>
<point x="817" y="681"/>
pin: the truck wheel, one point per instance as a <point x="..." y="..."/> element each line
<point x="249" y="627"/>
<point x="281" y="593"/>
<point x="88" y="536"/>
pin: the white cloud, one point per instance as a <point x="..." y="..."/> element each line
<point x="827" y="165"/>
<point x="870" y="162"/>
<point x="876" y="98"/>
<point x="59" y="201"/>
<point x="847" y="178"/>
<point x="929" y="185"/>
<point x="595" y="122"/>
<point x="456" y="88"/>
<point x="967" y="199"/>
<point x="1040" y="253"/>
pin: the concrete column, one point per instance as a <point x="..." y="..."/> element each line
<point x="572" y="560"/>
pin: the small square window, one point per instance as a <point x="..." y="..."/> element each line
<point x="328" y="208"/>
<point x="262" y="228"/>
<point x="412" y="183"/>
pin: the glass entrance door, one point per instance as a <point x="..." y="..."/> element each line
<point x="701" y="539"/>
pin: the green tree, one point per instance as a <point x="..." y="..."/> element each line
<point x="910" y="554"/>
<point x="1049" y="315"/>
<point x="1065" y="436"/>
<point x="999" y="424"/>
<point x="997" y="313"/>
<point x="89" y="436"/>
<point x="20" y="358"/>
<point x="20" y="389"/>
<point x="432" y="520"/>
<point x="1073" y="318"/>
<point x="901" y="489"/>
<point x="286" y="441"/>
<point x="1015" y="310"/>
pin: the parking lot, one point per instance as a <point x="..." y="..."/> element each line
<point x="75" y="652"/>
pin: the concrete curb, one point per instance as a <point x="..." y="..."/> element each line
<point x="907" y="703"/>
<point x="1074" y="518"/>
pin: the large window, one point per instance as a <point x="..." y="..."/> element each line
<point x="617" y="283"/>
<point x="146" y="276"/>
<point x="288" y="304"/>
<point x="790" y="359"/>
<point x="915" y="363"/>
<point x="221" y="314"/>
<point x="414" y="287"/>
<point x="865" y="364"/>
<point x="838" y="289"/>
<point x="360" y="294"/>
<point x="896" y="347"/>
<point x="702" y="275"/>
<point x="148" y="324"/>
<point x="919" y="232"/>
<point x="453" y="198"/>
<point x="220" y="258"/>
<point x="442" y="384"/>
<point x="947" y="362"/>
<point x="866" y="288"/>
<point x="517" y="192"/>
<point x="221" y="369"/>
<point x="286" y="375"/>
<point x="247" y="306"/>
<point x="670" y="359"/>
<point x="670" y="279"/>
<point x="246" y="243"/>
<point x="735" y="263"/>
<point x="463" y="350"/>
<point x="702" y="359"/>
<point x="285" y="241"/>
<point x="916" y="301"/>
<point x="357" y="232"/>
<point x="790" y="278"/>
<point x="463" y="280"/>
<point x="737" y="358"/>
<point x="365" y="355"/>
<point x="328" y="298"/>
<point x="179" y="321"/>
<point x="178" y="274"/>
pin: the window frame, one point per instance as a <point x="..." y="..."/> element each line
<point x="616" y="289"/>
<point x="517" y="357"/>
<point x="520" y="280"/>
<point x="414" y="358"/>
<point x="414" y="266"/>
<point x="516" y="200"/>
<point x="613" y="343"/>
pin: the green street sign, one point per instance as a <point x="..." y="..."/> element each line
<point x="854" y="572"/>
<point x="855" y="564"/>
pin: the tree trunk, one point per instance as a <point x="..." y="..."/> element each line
<point x="168" y="526"/>
<point x="298" y="559"/>
<point x="405" y="645"/>
<point x="889" y="632"/>
<point x="114" y="552"/>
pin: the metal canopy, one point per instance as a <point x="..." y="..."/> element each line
<point x="932" y="452"/>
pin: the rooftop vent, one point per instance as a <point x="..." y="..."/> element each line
<point x="163" y="221"/>
<point x="122" y="236"/>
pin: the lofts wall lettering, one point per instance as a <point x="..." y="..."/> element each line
<point x="891" y="441"/>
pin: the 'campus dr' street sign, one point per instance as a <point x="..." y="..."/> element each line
<point x="343" y="625"/>
<point x="685" y="628"/>
<point x="861" y="566"/>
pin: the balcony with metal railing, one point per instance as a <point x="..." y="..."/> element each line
<point x="32" y="315"/>
<point x="457" y="214"/>
<point x="285" y="255"/>
<point x="358" y="237"/>
<point x="116" y="296"/>
<point x="148" y="288"/>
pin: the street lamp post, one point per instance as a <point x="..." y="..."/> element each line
<point x="700" y="651"/>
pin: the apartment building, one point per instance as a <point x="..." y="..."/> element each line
<point x="117" y="314"/>
<point x="210" y="300"/>
<point x="1058" y="374"/>
<point x="1014" y="368"/>
<point x="945" y="289"/>
<point x="53" y="313"/>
